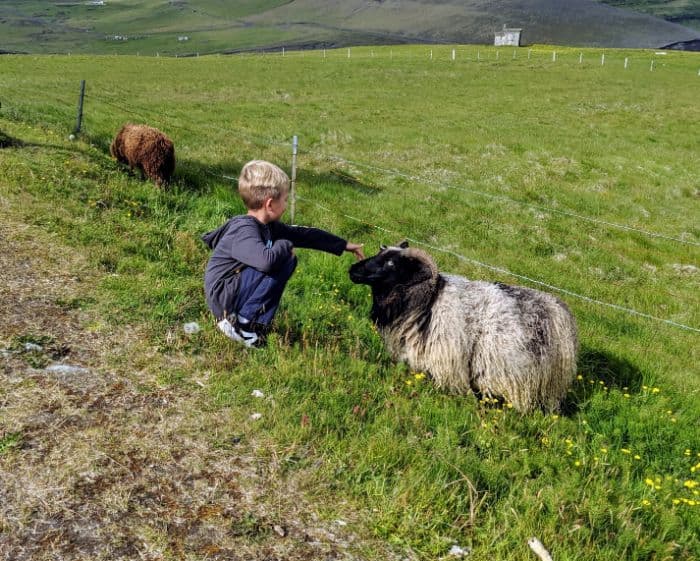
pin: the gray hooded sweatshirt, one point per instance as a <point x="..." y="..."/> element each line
<point x="244" y="241"/>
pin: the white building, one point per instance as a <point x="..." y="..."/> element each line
<point x="508" y="36"/>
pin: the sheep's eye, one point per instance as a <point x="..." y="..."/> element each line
<point x="390" y="264"/>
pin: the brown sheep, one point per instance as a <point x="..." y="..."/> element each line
<point x="145" y="148"/>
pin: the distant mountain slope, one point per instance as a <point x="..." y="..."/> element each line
<point x="564" y="22"/>
<point x="189" y="26"/>
<point x="683" y="12"/>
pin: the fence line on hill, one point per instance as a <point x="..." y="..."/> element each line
<point x="505" y="198"/>
<point x="141" y="112"/>
<point x="501" y="270"/>
<point x="600" y="57"/>
<point x="649" y="59"/>
<point x="257" y="139"/>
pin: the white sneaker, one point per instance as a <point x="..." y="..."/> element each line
<point x="235" y="332"/>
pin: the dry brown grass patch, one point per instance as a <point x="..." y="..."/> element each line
<point x="94" y="466"/>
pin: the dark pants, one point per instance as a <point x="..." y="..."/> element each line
<point x="259" y="294"/>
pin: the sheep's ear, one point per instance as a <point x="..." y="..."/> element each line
<point x="382" y="247"/>
<point x="403" y="244"/>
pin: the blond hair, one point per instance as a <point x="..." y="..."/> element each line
<point x="261" y="180"/>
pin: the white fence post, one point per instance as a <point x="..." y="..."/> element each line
<point x="625" y="63"/>
<point x="652" y="65"/>
<point x="554" y="56"/>
<point x="580" y="58"/>
<point x="453" y="54"/>
<point x="602" y="59"/>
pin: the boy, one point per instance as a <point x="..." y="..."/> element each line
<point x="254" y="257"/>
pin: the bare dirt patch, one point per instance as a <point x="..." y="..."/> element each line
<point x="94" y="466"/>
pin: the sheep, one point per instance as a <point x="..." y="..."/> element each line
<point x="145" y="148"/>
<point x="495" y="340"/>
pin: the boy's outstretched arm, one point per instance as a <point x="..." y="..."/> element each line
<point x="356" y="250"/>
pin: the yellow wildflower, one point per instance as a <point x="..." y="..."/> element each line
<point x="689" y="483"/>
<point x="625" y="451"/>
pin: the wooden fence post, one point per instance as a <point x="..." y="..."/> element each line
<point x="79" y="120"/>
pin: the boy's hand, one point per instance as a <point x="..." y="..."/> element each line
<point x="356" y="250"/>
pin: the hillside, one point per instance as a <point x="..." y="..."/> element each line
<point x="207" y="26"/>
<point x="683" y="12"/>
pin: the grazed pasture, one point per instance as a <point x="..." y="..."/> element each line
<point x="560" y="169"/>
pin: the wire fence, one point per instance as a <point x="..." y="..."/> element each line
<point x="246" y="136"/>
<point x="647" y="60"/>
<point x="501" y="270"/>
<point x="426" y="181"/>
<point x="147" y="115"/>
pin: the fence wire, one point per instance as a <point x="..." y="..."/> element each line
<point x="501" y="269"/>
<point x="492" y="196"/>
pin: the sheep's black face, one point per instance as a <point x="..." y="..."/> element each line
<point x="377" y="270"/>
<point x="390" y="267"/>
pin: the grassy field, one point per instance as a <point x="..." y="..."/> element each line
<point x="555" y="168"/>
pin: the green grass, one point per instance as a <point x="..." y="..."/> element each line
<point x="497" y="156"/>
